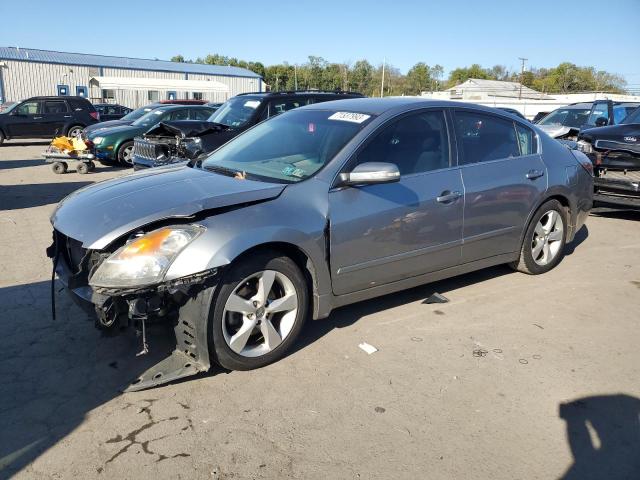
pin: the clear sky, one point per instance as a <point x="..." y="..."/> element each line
<point x="605" y="35"/>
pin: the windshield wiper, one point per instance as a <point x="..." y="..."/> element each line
<point x="230" y="172"/>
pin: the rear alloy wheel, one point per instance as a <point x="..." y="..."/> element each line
<point x="82" y="168"/>
<point x="125" y="154"/>
<point x="259" y="312"/>
<point x="544" y="241"/>
<point x="74" y="131"/>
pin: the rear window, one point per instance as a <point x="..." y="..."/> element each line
<point x="80" y="104"/>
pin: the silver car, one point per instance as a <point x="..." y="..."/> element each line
<point x="316" y="208"/>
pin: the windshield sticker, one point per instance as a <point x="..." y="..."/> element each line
<point x="349" y="117"/>
<point x="157" y="112"/>
<point x="293" y="172"/>
<point x="252" y="103"/>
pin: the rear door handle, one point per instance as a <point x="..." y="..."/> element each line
<point x="37" y="118"/>
<point x="67" y="116"/>
<point x="533" y="174"/>
<point x="448" y="196"/>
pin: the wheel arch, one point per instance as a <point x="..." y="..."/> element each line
<point x="301" y="258"/>
<point x="561" y="197"/>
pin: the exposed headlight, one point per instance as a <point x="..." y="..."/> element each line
<point x="98" y="140"/>
<point x="146" y="259"/>
<point x="584" y="146"/>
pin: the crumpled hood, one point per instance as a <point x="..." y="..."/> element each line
<point x="555" y="131"/>
<point x="185" y="128"/>
<point x="98" y="214"/>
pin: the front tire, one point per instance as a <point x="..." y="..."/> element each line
<point x="125" y="154"/>
<point x="544" y="242"/>
<point x="259" y="312"/>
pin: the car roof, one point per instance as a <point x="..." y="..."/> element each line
<point x="56" y="97"/>
<point x="294" y="93"/>
<point x="176" y="107"/>
<point x="378" y="106"/>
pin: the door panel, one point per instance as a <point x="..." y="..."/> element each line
<point x="24" y="121"/>
<point x="54" y="116"/>
<point x="504" y="178"/>
<point x="498" y="200"/>
<point x="383" y="233"/>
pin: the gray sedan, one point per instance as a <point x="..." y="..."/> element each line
<point x="316" y="208"/>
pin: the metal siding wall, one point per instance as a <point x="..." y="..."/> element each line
<point x="28" y="79"/>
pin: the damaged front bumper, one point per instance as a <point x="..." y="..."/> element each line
<point x="616" y="180"/>
<point x="184" y="302"/>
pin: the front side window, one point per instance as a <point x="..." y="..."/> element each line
<point x="482" y="138"/>
<point x="27" y="108"/>
<point x="288" y="148"/>
<point x="416" y="143"/>
<point x="178" y="115"/>
<point x="236" y="112"/>
<point x="54" y="106"/>
<point x="153" y="95"/>
<point x="600" y="110"/>
<point x="201" y="113"/>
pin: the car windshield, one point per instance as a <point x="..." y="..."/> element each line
<point x="236" y="112"/>
<point x="288" y="148"/>
<point x="567" y="117"/>
<point x="150" y="118"/>
<point x="137" y="113"/>
<point x="633" y="117"/>
<point x="8" y="107"/>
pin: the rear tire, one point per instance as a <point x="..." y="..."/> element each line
<point x="272" y="324"/>
<point x="74" y="130"/>
<point x="125" y="154"/>
<point x="1" y="138"/>
<point x="544" y="242"/>
<point x="82" y="168"/>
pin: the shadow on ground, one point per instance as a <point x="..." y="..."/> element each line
<point x="9" y="164"/>
<point x="54" y="372"/>
<point x="604" y="436"/>
<point x="13" y="197"/>
<point x="26" y="143"/>
<point x="617" y="214"/>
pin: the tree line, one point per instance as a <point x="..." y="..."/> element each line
<point x="362" y="76"/>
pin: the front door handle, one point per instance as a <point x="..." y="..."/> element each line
<point x="533" y="174"/>
<point x="448" y="196"/>
<point x="37" y="118"/>
<point x="67" y="116"/>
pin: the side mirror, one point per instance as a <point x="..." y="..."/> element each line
<point x="371" y="173"/>
<point x="601" y="122"/>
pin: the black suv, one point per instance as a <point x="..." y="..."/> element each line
<point x="44" y="117"/>
<point x="615" y="153"/>
<point x="111" y="111"/>
<point x="179" y="141"/>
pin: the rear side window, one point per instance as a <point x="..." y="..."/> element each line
<point x="55" y="106"/>
<point x="526" y="140"/>
<point x="482" y="138"/>
<point x="78" y="104"/>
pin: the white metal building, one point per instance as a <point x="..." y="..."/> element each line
<point x="496" y="93"/>
<point x="133" y="82"/>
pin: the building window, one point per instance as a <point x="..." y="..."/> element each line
<point x="108" y="94"/>
<point x="153" y="95"/>
<point x="197" y="95"/>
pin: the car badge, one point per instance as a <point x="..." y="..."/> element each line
<point x="630" y="139"/>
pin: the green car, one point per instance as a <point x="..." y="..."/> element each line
<point x="116" y="143"/>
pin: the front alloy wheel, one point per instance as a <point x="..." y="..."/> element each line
<point x="259" y="311"/>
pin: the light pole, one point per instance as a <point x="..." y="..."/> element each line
<point x="521" y="76"/>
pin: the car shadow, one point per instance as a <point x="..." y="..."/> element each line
<point x="616" y="214"/>
<point x="9" y="164"/>
<point x="13" y="197"/>
<point x="350" y="314"/>
<point x="53" y="373"/>
<point x="603" y="433"/>
<point x="580" y="236"/>
<point x="27" y="143"/>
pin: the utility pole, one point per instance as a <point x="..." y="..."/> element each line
<point x="295" y="75"/>
<point x="384" y="61"/>
<point x="521" y="76"/>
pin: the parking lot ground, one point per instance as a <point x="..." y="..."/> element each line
<point x="516" y="377"/>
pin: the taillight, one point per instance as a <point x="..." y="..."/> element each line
<point x="95" y="115"/>
<point x="584" y="161"/>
